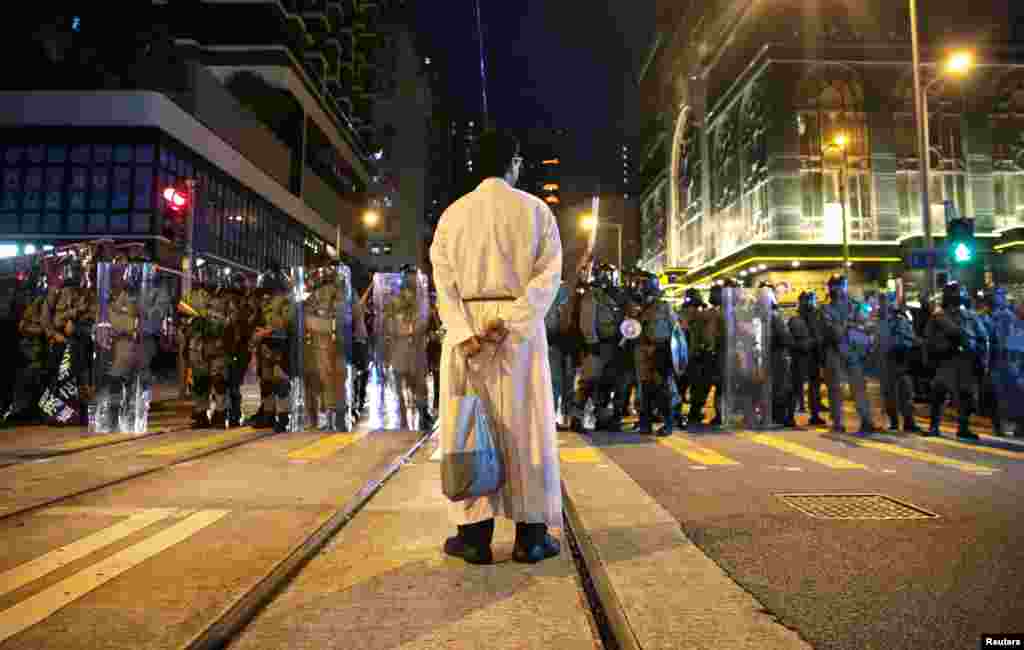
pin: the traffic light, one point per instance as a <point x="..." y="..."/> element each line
<point x="962" y="246"/>
<point x="175" y="204"/>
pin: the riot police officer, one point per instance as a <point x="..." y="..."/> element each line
<point x="557" y="356"/>
<point x="847" y="344"/>
<point x="600" y="317"/>
<point x="707" y="338"/>
<point x="272" y="341"/>
<point x="780" y="358"/>
<point x="654" y="353"/>
<point x="805" y="327"/>
<point x="896" y="341"/>
<point x="242" y="316"/>
<point x="406" y="322"/>
<point x="957" y="346"/>
<point x="1005" y="330"/>
<point x="689" y="312"/>
<point x="32" y="326"/>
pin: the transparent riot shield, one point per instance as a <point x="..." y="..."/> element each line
<point x="326" y="320"/>
<point x="299" y="299"/>
<point x="135" y="310"/>
<point x="1007" y="364"/>
<point x="402" y="317"/>
<point x="274" y="348"/>
<point x="746" y="374"/>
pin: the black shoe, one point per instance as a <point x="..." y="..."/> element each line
<point x="533" y="544"/>
<point x="261" y="420"/>
<point x="932" y="431"/>
<point x="816" y="421"/>
<point x="472" y="543"/>
<point x="967" y="434"/>
<point x="894" y="425"/>
<point x="838" y="429"/>
<point x="715" y="421"/>
<point x="219" y="420"/>
<point x="910" y="426"/>
<point x="665" y="430"/>
<point x="200" y="421"/>
<point x="867" y="429"/>
<point x="281" y="423"/>
<point x="643" y="426"/>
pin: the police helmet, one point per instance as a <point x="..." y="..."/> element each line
<point x="646" y="283"/>
<point x="604" y="275"/>
<point x="808" y="300"/>
<point x="692" y="298"/>
<point x="996" y="297"/>
<point x="274" y="279"/>
<point x="954" y="296"/>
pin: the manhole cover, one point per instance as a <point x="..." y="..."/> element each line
<point x="854" y="506"/>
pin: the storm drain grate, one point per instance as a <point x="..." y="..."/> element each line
<point x="854" y="506"/>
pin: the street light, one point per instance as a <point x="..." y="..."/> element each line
<point x="840" y="143"/>
<point x="371" y="218"/>
<point x="589" y="223"/>
<point x="958" y="64"/>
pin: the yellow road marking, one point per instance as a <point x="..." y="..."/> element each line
<point x="981" y="449"/>
<point x="89" y="441"/>
<point x="324" y="447"/>
<point x="25" y="573"/>
<point x="37" y="608"/>
<point x="194" y="445"/>
<point x="695" y="452"/>
<point x="820" y="457"/>
<point x="971" y="468"/>
<point x="579" y="455"/>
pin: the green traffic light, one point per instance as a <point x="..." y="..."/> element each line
<point x="962" y="253"/>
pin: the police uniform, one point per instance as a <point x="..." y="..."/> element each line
<point x="896" y="343"/>
<point x="847" y="344"/>
<point x="653" y="356"/>
<point x="805" y="327"/>
<point x="556" y="354"/>
<point x="321" y="367"/>
<point x="193" y="328"/>
<point x="706" y="329"/>
<point x="600" y="317"/>
<point x="1007" y="351"/>
<point x="242" y="318"/>
<point x="276" y="315"/>
<point x="957" y="346"/>
<point x="406" y="327"/>
<point x="32" y="327"/>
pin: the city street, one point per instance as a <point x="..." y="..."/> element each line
<point x="193" y="538"/>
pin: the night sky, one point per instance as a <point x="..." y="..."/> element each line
<point x="550" y="63"/>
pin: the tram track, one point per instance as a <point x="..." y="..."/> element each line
<point x="135" y="474"/>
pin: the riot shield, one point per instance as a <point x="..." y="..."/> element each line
<point x="746" y="373"/>
<point x="402" y="317"/>
<point x="1007" y="363"/>
<point x="299" y="297"/>
<point x="135" y="324"/>
<point x="275" y="350"/>
<point x="326" y="320"/>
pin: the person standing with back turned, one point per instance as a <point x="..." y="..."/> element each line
<point x="497" y="258"/>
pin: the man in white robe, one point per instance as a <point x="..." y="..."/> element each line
<point x="497" y="259"/>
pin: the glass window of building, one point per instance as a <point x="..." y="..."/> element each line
<point x="1008" y="153"/>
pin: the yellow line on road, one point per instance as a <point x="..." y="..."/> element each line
<point x="579" y="455"/>
<point x="30" y="611"/>
<point x="324" y="447"/>
<point x="981" y="449"/>
<point x="695" y="452"/>
<point x="820" y="457"/>
<point x="201" y="443"/>
<point x="25" y="573"/>
<point x="89" y="441"/>
<point x="963" y="466"/>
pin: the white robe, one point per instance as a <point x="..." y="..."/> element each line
<point x="497" y="241"/>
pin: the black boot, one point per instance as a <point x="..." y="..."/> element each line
<point x="426" y="420"/>
<point x="261" y="419"/>
<point x="473" y="543"/>
<point x="219" y="420"/>
<point x="910" y="426"/>
<point x="281" y="423"/>
<point x="670" y="420"/>
<point x="533" y="544"/>
<point x="964" y="430"/>
<point x="936" y="417"/>
<point x="894" y="424"/>
<point x="200" y="420"/>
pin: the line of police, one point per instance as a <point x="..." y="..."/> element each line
<point x="965" y="354"/>
<point x="92" y="318"/>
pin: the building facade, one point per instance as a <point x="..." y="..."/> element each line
<point x="739" y="175"/>
<point x="274" y="122"/>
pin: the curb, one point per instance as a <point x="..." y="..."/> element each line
<point x="614" y="612"/>
<point x="235" y="617"/>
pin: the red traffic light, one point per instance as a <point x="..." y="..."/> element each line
<point x="175" y="198"/>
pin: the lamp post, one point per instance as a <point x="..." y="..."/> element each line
<point x="840" y="143"/>
<point x="958" y="64"/>
<point x="590" y="223"/>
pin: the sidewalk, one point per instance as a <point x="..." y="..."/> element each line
<point x="384" y="582"/>
<point x="659" y="591"/>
